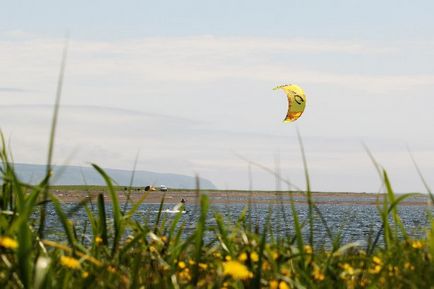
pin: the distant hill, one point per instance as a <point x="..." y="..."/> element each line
<point x="75" y="175"/>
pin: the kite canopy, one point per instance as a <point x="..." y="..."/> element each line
<point x="296" y="101"/>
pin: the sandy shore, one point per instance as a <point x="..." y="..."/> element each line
<point x="240" y="197"/>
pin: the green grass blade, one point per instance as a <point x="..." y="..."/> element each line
<point x="160" y="210"/>
<point x="131" y="184"/>
<point x="419" y="172"/>
<point x="298" y="235"/>
<point x="257" y="279"/>
<point x="67" y="226"/>
<point x="102" y="220"/>
<point x="52" y="137"/>
<point x="136" y="206"/>
<point x="389" y="209"/>
<point x="117" y="216"/>
<point x="200" y="230"/>
<point x="310" y="215"/>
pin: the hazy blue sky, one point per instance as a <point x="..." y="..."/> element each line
<point x="188" y="84"/>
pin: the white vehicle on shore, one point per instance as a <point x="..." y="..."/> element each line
<point x="163" y="188"/>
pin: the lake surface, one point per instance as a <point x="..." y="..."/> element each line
<point x="354" y="222"/>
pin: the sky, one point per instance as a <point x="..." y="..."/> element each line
<point x="186" y="87"/>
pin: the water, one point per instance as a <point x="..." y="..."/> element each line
<point x="353" y="222"/>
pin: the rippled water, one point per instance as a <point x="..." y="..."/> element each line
<point x="352" y="222"/>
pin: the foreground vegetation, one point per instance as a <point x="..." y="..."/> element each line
<point x="119" y="252"/>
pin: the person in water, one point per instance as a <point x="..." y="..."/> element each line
<point x="182" y="207"/>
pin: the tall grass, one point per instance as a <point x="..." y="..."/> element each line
<point x="160" y="253"/>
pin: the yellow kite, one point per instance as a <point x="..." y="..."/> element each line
<point x="296" y="101"/>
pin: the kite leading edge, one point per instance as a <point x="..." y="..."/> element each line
<point x="296" y="101"/>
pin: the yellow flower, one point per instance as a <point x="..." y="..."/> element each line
<point x="152" y="249"/>
<point x="375" y="270"/>
<point x="266" y="266"/>
<point x="317" y="274"/>
<point x="348" y="269"/>
<point x="203" y="266"/>
<point x="378" y="265"/>
<point x="274" y="284"/>
<point x="242" y="257"/>
<point x="285" y="271"/>
<point x="217" y="255"/>
<point x="377" y="260"/>
<point x="254" y="257"/>
<point x="283" y="285"/>
<point x="98" y="240"/>
<point x="417" y="244"/>
<point x="70" y="262"/>
<point x="111" y="269"/>
<point x="408" y="265"/>
<point x="85" y="274"/>
<point x="181" y="264"/>
<point x="228" y="258"/>
<point x="307" y="249"/>
<point x="274" y="255"/>
<point x="191" y="262"/>
<point x="185" y="275"/>
<point x="8" y="243"/>
<point x="236" y="270"/>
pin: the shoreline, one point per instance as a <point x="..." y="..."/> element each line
<point x="237" y="197"/>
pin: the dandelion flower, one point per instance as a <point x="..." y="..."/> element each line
<point x="375" y="270"/>
<point x="417" y="244"/>
<point x="152" y="249"/>
<point x="254" y="257"/>
<point x="111" y="269"/>
<point x="308" y="249"/>
<point x="283" y="285"/>
<point x="285" y="271"/>
<point x="185" y="275"/>
<point x="8" y="243"/>
<point x="242" y="257"/>
<point x="236" y="270"/>
<point x="377" y="260"/>
<point x="98" y="240"/>
<point x="70" y="262"/>
<point x="217" y="255"/>
<point x="266" y="266"/>
<point x="348" y="269"/>
<point x="317" y="274"/>
<point x="181" y="264"/>
<point x="408" y="265"/>
<point x="203" y="266"/>
<point x="274" y="284"/>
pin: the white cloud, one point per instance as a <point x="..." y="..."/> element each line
<point x="191" y="104"/>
